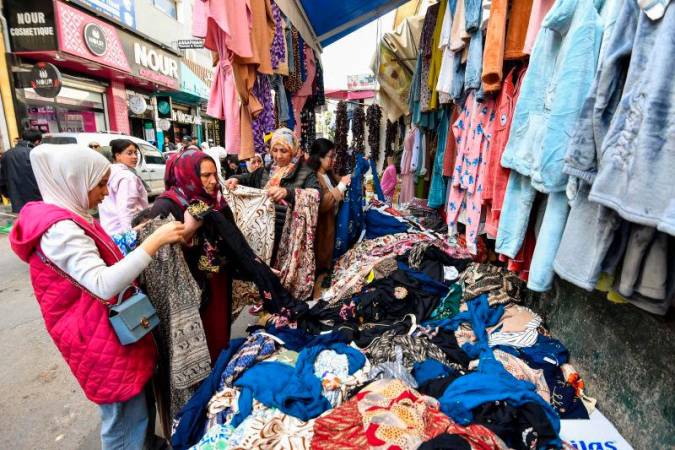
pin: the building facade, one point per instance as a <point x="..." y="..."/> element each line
<point x="117" y="64"/>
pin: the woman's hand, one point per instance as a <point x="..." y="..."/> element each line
<point x="191" y="226"/>
<point x="277" y="194"/>
<point x="169" y="233"/>
<point x="346" y="180"/>
<point x="231" y="184"/>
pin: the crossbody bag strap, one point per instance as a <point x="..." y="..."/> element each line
<point x="55" y="268"/>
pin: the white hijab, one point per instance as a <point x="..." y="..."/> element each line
<point x="66" y="173"/>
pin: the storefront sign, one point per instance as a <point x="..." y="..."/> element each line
<point x="121" y="11"/>
<point x="361" y="82"/>
<point x="181" y="117"/>
<point x="156" y="65"/>
<point x="190" y="43"/>
<point x="94" y="39"/>
<point x="87" y="37"/>
<point x="71" y="33"/>
<point x="137" y="104"/>
<point x="31" y="25"/>
<point x="45" y="79"/>
<point x="164" y="124"/>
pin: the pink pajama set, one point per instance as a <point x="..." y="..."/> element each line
<point x="472" y="136"/>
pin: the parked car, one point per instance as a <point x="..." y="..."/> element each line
<point x="151" y="163"/>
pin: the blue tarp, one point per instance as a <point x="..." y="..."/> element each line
<point x="334" y="19"/>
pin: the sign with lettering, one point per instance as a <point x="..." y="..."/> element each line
<point x="120" y="11"/>
<point x="190" y="43"/>
<point x="94" y="39"/>
<point x="361" y="82"/>
<point x="151" y="62"/>
<point x="181" y="117"/>
<point x="31" y="25"/>
<point x="45" y="79"/>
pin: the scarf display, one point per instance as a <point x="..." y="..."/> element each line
<point x="296" y="260"/>
<point x="373" y="121"/>
<point x="308" y="125"/>
<point x="358" y="129"/>
<point x="342" y="155"/>
<point x="254" y="215"/>
<point x="184" y="357"/>
<point x="264" y="122"/>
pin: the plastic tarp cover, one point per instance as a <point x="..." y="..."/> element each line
<point x="334" y="19"/>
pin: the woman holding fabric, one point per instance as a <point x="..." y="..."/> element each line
<point x="195" y="179"/>
<point x="77" y="272"/>
<point x="288" y="172"/>
<point x="214" y="241"/>
<point x="127" y="195"/>
<point x="321" y="159"/>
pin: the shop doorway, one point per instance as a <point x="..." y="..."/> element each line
<point x="143" y="129"/>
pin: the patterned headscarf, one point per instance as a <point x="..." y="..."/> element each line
<point x="185" y="184"/>
<point x="283" y="137"/>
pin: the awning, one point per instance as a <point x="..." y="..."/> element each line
<point x="343" y="94"/>
<point x="334" y="19"/>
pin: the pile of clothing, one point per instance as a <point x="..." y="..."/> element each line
<point x="413" y="345"/>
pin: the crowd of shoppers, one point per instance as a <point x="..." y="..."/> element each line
<point x="77" y="271"/>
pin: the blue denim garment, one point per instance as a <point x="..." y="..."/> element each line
<point x="472" y="15"/>
<point x="474" y="62"/>
<point x="124" y="425"/>
<point x="282" y="99"/>
<point x="552" y="226"/>
<point x="513" y="223"/>
<point x="458" y="78"/>
<point x="590" y="226"/>
<point x="560" y="74"/>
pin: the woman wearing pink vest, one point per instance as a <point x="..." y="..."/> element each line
<point x="75" y="268"/>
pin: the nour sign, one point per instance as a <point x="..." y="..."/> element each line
<point x="155" y="65"/>
<point x="31" y="25"/>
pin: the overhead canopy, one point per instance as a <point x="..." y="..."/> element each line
<point x="334" y="19"/>
<point x="343" y="94"/>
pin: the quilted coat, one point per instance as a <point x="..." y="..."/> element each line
<point x="77" y="321"/>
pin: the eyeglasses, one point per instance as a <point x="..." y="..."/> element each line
<point x="94" y="146"/>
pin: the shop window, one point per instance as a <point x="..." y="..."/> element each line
<point x="168" y="6"/>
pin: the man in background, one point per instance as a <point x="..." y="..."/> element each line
<point x="17" y="181"/>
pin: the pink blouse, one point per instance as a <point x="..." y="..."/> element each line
<point x="127" y="197"/>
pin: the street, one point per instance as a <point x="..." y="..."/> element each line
<point x="41" y="405"/>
